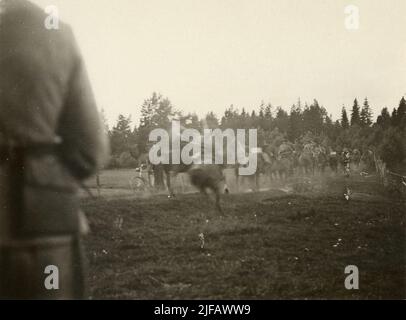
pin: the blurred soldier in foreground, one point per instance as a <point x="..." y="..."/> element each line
<point x="50" y="141"/>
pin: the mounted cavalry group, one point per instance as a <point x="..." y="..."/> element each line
<point x="278" y="163"/>
<point x="275" y="164"/>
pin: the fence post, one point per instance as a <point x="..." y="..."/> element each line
<point x="98" y="185"/>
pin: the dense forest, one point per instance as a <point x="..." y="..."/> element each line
<point x="357" y="128"/>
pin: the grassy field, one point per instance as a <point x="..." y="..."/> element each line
<point x="268" y="245"/>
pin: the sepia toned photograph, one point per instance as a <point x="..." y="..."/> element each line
<point x="218" y="150"/>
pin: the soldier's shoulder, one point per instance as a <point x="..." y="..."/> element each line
<point x="25" y="14"/>
<point x="25" y="27"/>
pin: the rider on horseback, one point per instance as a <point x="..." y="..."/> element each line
<point x="285" y="150"/>
<point x="309" y="147"/>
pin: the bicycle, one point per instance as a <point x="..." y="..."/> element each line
<point x="138" y="183"/>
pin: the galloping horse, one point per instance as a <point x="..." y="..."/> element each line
<point x="202" y="176"/>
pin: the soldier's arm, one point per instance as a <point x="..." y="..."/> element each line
<point x="84" y="146"/>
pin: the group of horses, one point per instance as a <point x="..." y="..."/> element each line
<point x="310" y="160"/>
<point x="272" y="165"/>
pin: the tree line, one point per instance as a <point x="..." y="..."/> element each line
<point x="356" y="129"/>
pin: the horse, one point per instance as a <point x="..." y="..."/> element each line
<point x="263" y="168"/>
<point x="321" y="159"/>
<point x="355" y="158"/>
<point x="209" y="177"/>
<point x="306" y="162"/>
<point x="333" y="160"/>
<point x="202" y="176"/>
<point x="172" y="170"/>
<point x="367" y="161"/>
<point x="280" y="166"/>
<point x="295" y="162"/>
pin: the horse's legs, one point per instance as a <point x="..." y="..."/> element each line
<point x="303" y="169"/>
<point x="285" y="174"/>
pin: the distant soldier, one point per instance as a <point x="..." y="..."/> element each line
<point x="298" y="146"/>
<point x="285" y="149"/>
<point x="346" y="160"/>
<point x="308" y="148"/>
<point x="356" y="158"/>
<point x="333" y="160"/>
<point x="51" y="140"/>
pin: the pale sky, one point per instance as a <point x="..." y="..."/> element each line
<point x="205" y="55"/>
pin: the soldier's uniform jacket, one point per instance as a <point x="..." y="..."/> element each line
<point x="285" y="149"/>
<point x="308" y="148"/>
<point x="46" y="100"/>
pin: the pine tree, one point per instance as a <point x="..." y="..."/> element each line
<point x="254" y="120"/>
<point x="402" y="108"/>
<point x="282" y="120"/>
<point x="313" y="118"/>
<point x="121" y="135"/>
<point x="267" y="119"/>
<point x="345" y="124"/>
<point x="295" y="123"/>
<point x="394" y="117"/>
<point x="157" y="112"/>
<point x="211" y="121"/>
<point x="268" y="112"/>
<point x="400" y="116"/>
<point x="191" y="120"/>
<point x="243" y="119"/>
<point x="355" y="114"/>
<point x="384" y="119"/>
<point x="366" y="114"/>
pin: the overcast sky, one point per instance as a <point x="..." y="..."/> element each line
<point x="207" y="55"/>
